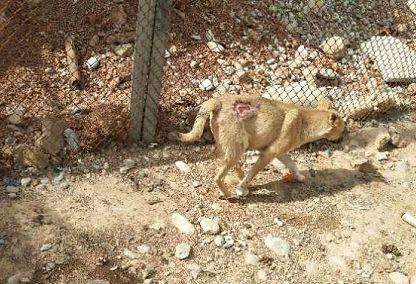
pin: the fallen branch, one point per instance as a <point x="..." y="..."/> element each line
<point x="409" y="219"/>
<point x="72" y="61"/>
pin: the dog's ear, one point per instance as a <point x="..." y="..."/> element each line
<point x="324" y="104"/>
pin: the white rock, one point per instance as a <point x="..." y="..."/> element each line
<point x="143" y="248"/>
<point x="129" y="254"/>
<point x="277" y="245"/>
<point x="196" y="36"/>
<point x="396" y="62"/>
<point x="12" y="189"/>
<point x="215" y="47"/>
<point x="25" y="181"/>
<point x="182" y="224"/>
<point x="46" y="247"/>
<point x="398" y="278"/>
<point x="412" y="5"/>
<point x="206" y="85"/>
<point x="250" y="258"/>
<point x="334" y="47"/>
<point x="194" y="269"/>
<point x="93" y="62"/>
<point x="182" y="251"/>
<point x="210" y="225"/>
<point x="124" y="50"/>
<point x="228" y="241"/>
<point x="219" y="241"/>
<point x="301" y="93"/>
<point x="278" y="222"/>
<point x="124" y="170"/>
<point x="182" y="166"/>
<point x="382" y="156"/>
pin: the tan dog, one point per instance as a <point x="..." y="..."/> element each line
<point x="241" y="123"/>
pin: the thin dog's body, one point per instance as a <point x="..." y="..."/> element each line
<point x="241" y="123"/>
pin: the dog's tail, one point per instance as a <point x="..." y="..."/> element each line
<point x="204" y="112"/>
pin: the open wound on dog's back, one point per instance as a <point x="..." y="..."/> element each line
<point x="245" y="110"/>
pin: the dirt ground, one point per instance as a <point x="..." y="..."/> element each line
<point x="342" y="225"/>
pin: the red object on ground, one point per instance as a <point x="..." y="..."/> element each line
<point x="288" y="178"/>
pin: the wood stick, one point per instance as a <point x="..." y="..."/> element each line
<point x="72" y="61"/>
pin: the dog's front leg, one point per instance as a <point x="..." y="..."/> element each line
<point x="291" y="165"/>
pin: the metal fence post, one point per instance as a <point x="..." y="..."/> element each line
<point x="149" y="58"/>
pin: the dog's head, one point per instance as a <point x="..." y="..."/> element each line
<point x="334" y="124"/>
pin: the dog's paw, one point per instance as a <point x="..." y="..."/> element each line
<point x="241" y="191"/>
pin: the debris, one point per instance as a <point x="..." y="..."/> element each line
<point x="182" y="251"/>
<point x="25" y="181"/>
<point x="72" y="61"/>
<point x="206" y="85"/>
<point x="210" y="225"/>
<point x="182" y="166"/>
<point x="392" y="249"/>
<point x="301" y="93"/>
<point x="93" y="63"/>
<point x="124" y="50"/>
<point x="288" y="178"/>
<point x="72" y="139"/>
<point x="219" y="241"/>
<point x="334" y="47"/>
<point x="46" y="247"/>
<point x="408" y="218"/>
<point x="215" y="47"/>
<point x="277" y="245"/>
<point x="398" y="278"/>
<point x="143" y="249"/>
<point x="182" y="224"/>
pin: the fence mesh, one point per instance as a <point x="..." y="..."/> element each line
<point x="66" y="67"/>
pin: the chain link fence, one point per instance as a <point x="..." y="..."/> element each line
<point x="77" y="74"/>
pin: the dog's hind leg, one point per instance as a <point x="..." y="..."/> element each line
<point x="291" y="165"/>
<point x="262" y="161"/>
<point x="239" y="171"/>
<point x="227" y="164"/>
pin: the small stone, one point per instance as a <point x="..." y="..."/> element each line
<point x="25" y="181"/>
<point x="193" y="64"/>
<point x="124" y="50"/>
<point x="196" y="36"/>
<point x="182" y="224"/>
<point x="334" y="47"/>
<point x="382" y="156"/>
<point x="182" y="251"/>
<point x="219" y="241"/>
<point x="143" y="249"/>
<point x="15" y="119"/>
<point x="129" y="254"/>
<point x="196" y="184"/>
<point x="398" y="278"/>
<point x="58" y="178"/>
<point x="124" y="170"/>
<point x="397" y="141"/>
<point x="93" y="63"/>
<point x="50" y="266"/>
<point x="278" y="222"/>
<point x="215" y="47"/>
<point x="250" y="258"/>
<point x="228" y="241"/>
<point x="277" y="245"/>
<point x="46" y="247"/>
<point x="363" y="165"/>
<point x="12" y="195"/>
<point x="206" y="85"/>
<point x="182" y="166"/>
<point x="210" y="225"/>
<point x="129" y="163"/>
<point x="12" y="189"/>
